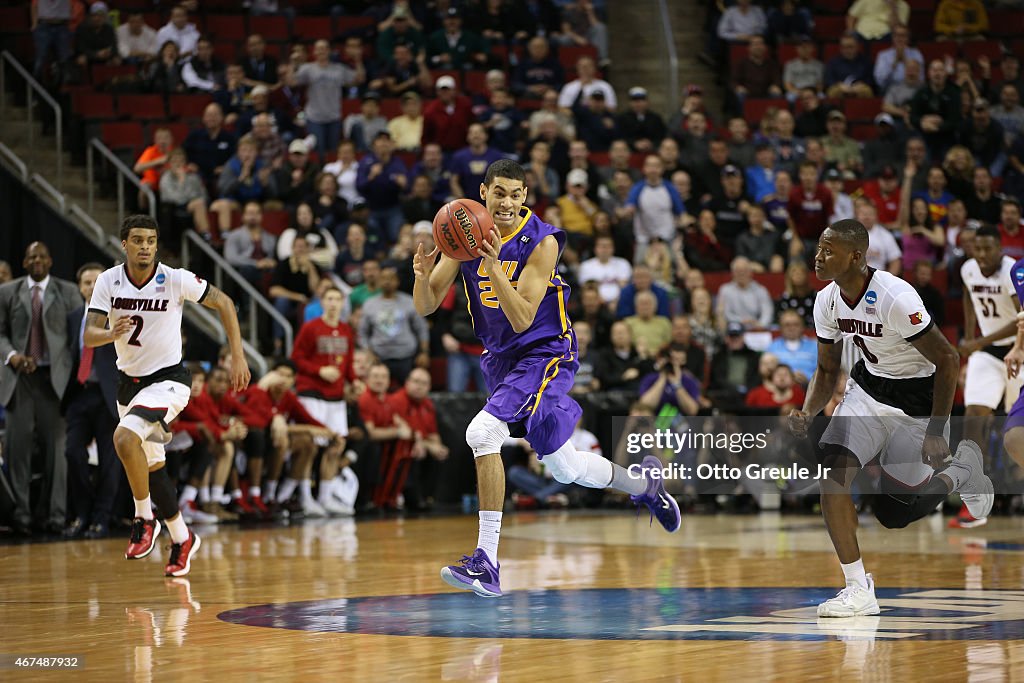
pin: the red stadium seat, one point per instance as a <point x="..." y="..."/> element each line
<point x="831" y="6"/>
<point x="353" y="25"/>
<point x="457" y="75"/>
<point x="863" y="131"/>
<point x="93" y="105"/>
<point x="141" y="107"/>
<point x="276" y="221"/>
<point x="390" y="107"/>
<point x="104" y="73"/>
<point x="123" y="134"/>
<point x="988" y="48"/>
<point x="569" y="54"/>
<point x="273" y="29"/>
<point x="408" y="158"/>
<point x="785" y="52"/>
<point x="921" y="23"/>
<point x="312" y="28"/>
<point x="636" y="159"/>
<point x="862" y="108"/>
<point x="227" y="51"/>
<point x="475" y="82"/>
<point x="754" y="108"/>
<point x="15" y="19"/>
<point x="179" y="131"/>
<point x="226" y="27"/>
<point x="599" y="158"/>
<point x="829" y="28"/>
<point x="350" y="106"/>
<point x="936" y="50"/>
<point x="187" y="106"/>
<point x="923" y="5"/>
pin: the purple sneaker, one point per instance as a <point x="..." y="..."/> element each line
<point x="474" y="573"/>
<point x="661" y="505"/>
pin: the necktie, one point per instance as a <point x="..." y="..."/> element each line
<point x="85" y="364"/>
<point x="36" y="334"/>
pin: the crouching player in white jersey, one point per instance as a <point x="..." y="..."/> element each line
<point x="143" y="299"/>
<point x="989" y="301"/>
<point x="908" y="370"/>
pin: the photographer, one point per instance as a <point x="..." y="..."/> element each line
<point x="671" y="384"/>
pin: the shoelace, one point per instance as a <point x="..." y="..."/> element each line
<point x="175" y="553"/>
<point x="138" y="528"/>
<point x="846" y="594"/>
<point x="474" y="562"/>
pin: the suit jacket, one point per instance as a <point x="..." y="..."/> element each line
<point x="60" y="299"/>
<point x="104" y="363"/>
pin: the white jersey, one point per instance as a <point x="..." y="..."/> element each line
<point x="155" y="306"/>
<point x="993" y="298"/>
<point x="883" y="321"/>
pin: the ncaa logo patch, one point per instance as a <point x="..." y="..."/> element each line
<point x="871" y="297"/>
<point x="161" y="278"/>
<point x="1019" y="275"/>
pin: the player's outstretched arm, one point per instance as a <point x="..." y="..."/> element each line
<point x="821" y="387"/>
<point x="933" y="346"/>
<point x="96" y="332"/>
<point x="222" y="303"/>
<point x="433" y="278"/>
<point x="520" y="303"/>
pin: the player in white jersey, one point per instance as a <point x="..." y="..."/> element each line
<point x="897" y="405"/>
<point x="989" y="301"/>
<point x="143" y="300"/>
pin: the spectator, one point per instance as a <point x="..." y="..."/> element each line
<point x="810" y="205"/>
<point x="183" y="192"/>
<point x="650" y="330"/>
<point x="657" y="207"/>
<point x="760" y="243"/>
<point x="579" y="158"/>
<point x="234" y="98"/>
<point x="780" y="391"/>
<point x="684" y="186"/>
<point x="794" y="348"/>
<point x="985" y="138"/>
<point x="406" y="129"/>
<point x="585" y="85"/>
<point x="325" y="81"/>
<point x="179" y="31"/>
<point x="136" y="42"/>
<point x="382" y="179"/>
<point x="744" y="301"/>
<point x="642" y="281"/>
<point x="432" y="166"/>
<point x="739" y="148"/>
<point x="703" y="320"/>
<point x="936" y="196"/>
<point x="259" y="67"/>
<point x="329" y="210"/>
<point x="885" y="150"/>
<point x="577" y="209"/>
<point x="816" y="156"/>
<point x="469" y="165"/>
<point x="922" y="237"/>
<point x="757" y="74"/>
<point x="876" y="19"/>
<point x="323" y="250"/>
<point x="1011" y="234"/>
<point x="620" y="365"/>
<point x="362" y="128"/>
<point x="671" y="384"/>
<point x="34" y="312"/>
<point x="694" y="141"/>
<point x="787" y="22"/>
<point x="883" y="252"/>
<point x="958" y="167"/>
<point x="890" y="64"/>
<point x="899" y="95"/>
<point x="258" y="102"/>
<point x="295" y="178"/>
<point x="1008" y="113"/>
<point x="453" y="48"/>
<point x="776" y="207"/>
<point x="454" y="325"/>
<point x="932" y="298"/>
<point x="848" y="74"/>
<point x="547" y="184"/>
<point x="917" y="153"/>
<point x="368" y="288"/>
<point x="383" y="427"/>
<point x="842" y="204"/>
<point x="961" y="20"/>
<point x="811" y="122"/>
<point x="730" y="207"/>
<point x="734" y="369"/>
<point x="269" y="146"/>
<point x="446" y="120"/>
<point x="611" y="272"/>
<point x="704" y="251"/>
<point x="346" y="172"/>
<point x="982" y="204"/>
<point x="210" y="147"/>
<point x="797" y="295"/>
<point x="152" y="162"/>
<point x="402" y="30"/>
<point x="405" y="73"/>
<point x="95" y="40"/>
<point x="761" y="176"/>
<point x="417" y="475"/>
<point x="842" y="151"/>
<point x="595" y="313"/>
<point x="682" y="337"/>
<point x="884" y="193"/>
<point x="249" y="249"/>
<point x="163" y="76"/>
<point x="292" y="285"/>
<point x="390" y="327"/>
<point x="580" y="26"/>
<point x="1009" y="65"/>
<point x="742" y="23"/>
<point x="50" y="23"/>
<point x="538" y="71"/>
<point x="245" y="178"/>
<point x="789" y="149"/>
<point x="203" y="72"/>
<point x="349" y="264"/>
<point x="935" y="110"/>
<point x="803" y="71"/>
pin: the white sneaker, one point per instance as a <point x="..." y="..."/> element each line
<point x="333" y="508"/>
<point x="977" y="492"/>
<point x="311" y="508"/>
<point x="193" y="515"/>
<point x="852" y="601"/>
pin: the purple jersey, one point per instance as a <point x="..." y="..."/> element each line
<point x="489" y="322"/>
<point x="1017" y="275"/>
<point x="1015" y="418"/>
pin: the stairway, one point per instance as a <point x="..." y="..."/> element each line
<point x="638" y="54"/>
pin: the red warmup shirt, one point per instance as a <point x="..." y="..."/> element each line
<point x="421" y="415"/>
<point x="200" y="409"/>
<point x="810" y="213"/>
<point x="380" y="412"/>
<point x="317" y="345"/>
<point x="888" y="205"/>
<point x="761" y="397"/>
<point x="447" y="128"/>
<point x="229" y="406"/>
<point x="263" y="406"/>
<point x="1013" y="245"/>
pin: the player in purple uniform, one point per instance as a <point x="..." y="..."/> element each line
<point x="1013" y="428"/>
<point x="518" y="306"/>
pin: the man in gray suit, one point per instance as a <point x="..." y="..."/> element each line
<point x="37" y="364"/>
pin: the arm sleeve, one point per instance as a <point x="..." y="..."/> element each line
<point x="363" y="333"/>
<point x="767" y="308"/>
<point x="193" y="287"/>
<point x="678" y="206"/>
<point x="234" y="251"/>
<point x="192" y="79"/>
<point x="100" y="301"/>
<point x="284" y="244"/>
<point x="302" y="75"/>
<point x="825" y="326"/>
<point x="725" y="28"/>
<point x="298" y="412"/>
<point x="634" y="194"/>
<point x="568" y="95"/>
<point x="908" y="316"/>
<point x="883" y="69"/>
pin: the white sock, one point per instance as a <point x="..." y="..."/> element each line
<point x="188" y="494"/>
<point x="326" y="490"/>
<point x="271" y="491"/>
<point x="254" y="492"/>
<point x="306" y="490"/>
<point x="958" y="474"/>
<point x="216" y="493"/>
<point x="177" y="528"/>
<point x="287" y="489"/>
<point x="854" y="573"/>
<point x="144" y="508"/>
<point x="236" y="494"/>
<point x="204" y="494"/>
<point x="490" y="529"/>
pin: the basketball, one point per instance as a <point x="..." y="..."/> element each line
<point x="460" y="227"/>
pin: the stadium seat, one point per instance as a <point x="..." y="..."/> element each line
<point x="408" y="158"/>
<point x="863" y="131"/>
<point x="93" y="105"/>
<point x="936" y="50"/>
<point x="15" y="20"/>
<point x="187" y="106"/>
<point x="831" y="6"/>
<point x="122" y="135"/>
<point x="784" y="53"/>
<point x="829" y="28"/>
<point x="457" y="75"/>
<point x="142" y="107"/>
<point x="226" y="27"/>
<point x="475" y="82"/>
<point x="754" y="108"/>
<point x="862" y="108"/>
<point x="273" y="29"/>
<point x="345" y="26"/>
<point x="228" y="51"/>
<point x="921" y="23"/>
<point x="312" y="28"/>
<point x="390" y="107"/>
<point x="568" y="54"/>
<point x="179" y="131"/>
<point x="104" y="73"/>
<point x="275" y="221"/>
<point x="922" y="5"/>
<point x="988" y="48"/>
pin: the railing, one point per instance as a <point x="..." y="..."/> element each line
<point x="256" y="299"/>
<point x="33" y="87"/>
<point x="215" y="329"/>
<point x="672" y="73"/>
<point x="123" y="173"/>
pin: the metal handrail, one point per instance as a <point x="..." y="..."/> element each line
<point x="33" y="85"/>
<point x="255" y="297"/>
<point x="55" y="194"/>
<point x="98" y="236"/>
<point x="123" y="172"/>
<point x="216" y="330"/>
<point x="672" y="74"/>
<point x="15" y="161"/>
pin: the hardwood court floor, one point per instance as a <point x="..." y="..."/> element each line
<point x="588" y="597"/>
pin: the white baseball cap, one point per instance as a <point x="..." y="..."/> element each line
<point x="445" y="81"/>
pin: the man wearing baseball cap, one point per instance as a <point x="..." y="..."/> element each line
<point x="446" y="119"/>
<point x="452" y="47"/>
<point x="640" y="127"/>
<point x="95" y="40"/>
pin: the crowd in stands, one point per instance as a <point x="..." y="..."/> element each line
<point x="689" y="235"/>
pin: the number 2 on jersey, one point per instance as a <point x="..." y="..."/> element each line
<point x="488" y="297"/>
<point x="134" y="339"/>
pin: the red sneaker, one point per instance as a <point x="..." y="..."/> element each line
<point x="242" y="508"/>
<point x="964" y="520"/>
<point x="143" y="538"/>
<point x="180" y="560"/>
<point x="259" y="507"/>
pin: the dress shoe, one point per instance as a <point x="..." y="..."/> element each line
<point x="22" y="529"/>
<point x="97" y="530"/>
<point x="75" y="529"/>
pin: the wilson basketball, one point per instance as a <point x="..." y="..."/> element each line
<point x="460" y="227"/>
